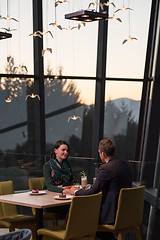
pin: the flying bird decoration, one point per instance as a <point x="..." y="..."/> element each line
<point x="74" y="118"/>
<point x="101" y="4"/>
<point x="129" y="39"/>
<point x="40" y="34"/>
<point x="70" y="28"/>
<point x="46" y="50"/>
<point x="109" y="3"/>
<point x="10" y="59"/>
<point x="81" y="24"/>
<point x="59" y="2"/>
<point x="20" y="68"/>
<point x="92" y="4"/>
<point x="56" y="25"/>
<point x="8" y="99"/>
<point x="114" y="18"/>
<point x="44" y="32"/>
<point x="9" y="29"/>
<point x="9" y="19"/>
<point x="35" y="34"/>
<point x="123" y="9"/>
<point x="33" y="96"/>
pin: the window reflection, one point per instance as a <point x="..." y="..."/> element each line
<point x="13" y="108"/>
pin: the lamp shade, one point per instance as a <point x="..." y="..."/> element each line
<point x="4" y="35"/>
<point x="86" y="15"/>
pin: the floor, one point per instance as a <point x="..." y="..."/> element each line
<point x="47" y="224"/>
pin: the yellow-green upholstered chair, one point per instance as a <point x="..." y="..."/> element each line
<point x="38" y="183"/>
<point x="129" y="213"/>
<point x="82" y="220"/>
<point x="9" y="217"/>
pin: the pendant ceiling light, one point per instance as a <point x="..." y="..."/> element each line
<point x="86" y="15"/>
<point x="4" y="35"/>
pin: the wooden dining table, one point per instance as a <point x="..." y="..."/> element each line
<point x="37" y="201"/>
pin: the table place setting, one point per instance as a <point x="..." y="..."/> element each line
<point x="63" y="197"/>
<point x="37" y="192"/>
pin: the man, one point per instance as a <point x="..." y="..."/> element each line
<point x="113" y="175"/>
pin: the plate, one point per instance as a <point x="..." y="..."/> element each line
<point x="39" y="193"/>
<point x="67" y="197"/>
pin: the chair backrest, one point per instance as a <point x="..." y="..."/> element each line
<point x="36" y="183"/>
<point x="130" y="207"/>
<point x="1" y="210"/>
<point x="7" y="188"/>
<point x="23" y="234"/>
<point x="83" y="216"/>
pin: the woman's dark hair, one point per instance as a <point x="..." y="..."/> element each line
<point x="57" y="145"/>
<point x="107" y="146"/>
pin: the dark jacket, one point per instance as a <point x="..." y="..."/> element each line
<point x="111" y="177"/>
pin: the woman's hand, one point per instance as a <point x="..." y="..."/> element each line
<point x="60" y="186"/>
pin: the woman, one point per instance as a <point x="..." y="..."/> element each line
<point x="57" y="171"/>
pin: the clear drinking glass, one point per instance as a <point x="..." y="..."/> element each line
<point x="84" y="181"/>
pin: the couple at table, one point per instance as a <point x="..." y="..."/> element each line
<point x="113" y="175"/>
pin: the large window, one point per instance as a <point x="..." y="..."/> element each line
<point x="122" y="115"/>
<point x="127" y="60"/>
<point x="15" y="118"/>
<point x="69" y="114"/>
<point x="73" y="47"/>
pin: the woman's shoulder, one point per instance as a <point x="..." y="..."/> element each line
<point x="46" y="164"/>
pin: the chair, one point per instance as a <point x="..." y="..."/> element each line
<point x="82" y="220"/>
<point x="38" y="183"/>
<point x="23" y="234"/>
<point x="129" y="213"/>
<point x="9" y="217"/>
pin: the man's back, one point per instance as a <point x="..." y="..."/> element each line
<point x="112" y="176"/>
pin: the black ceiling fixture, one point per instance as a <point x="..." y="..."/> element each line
<point x="4" y="35"/>
<point x="86" y="15"/>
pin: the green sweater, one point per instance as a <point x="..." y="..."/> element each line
<point x="49" y="183"/>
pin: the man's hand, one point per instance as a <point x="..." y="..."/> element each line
<point x="70" y="190"/>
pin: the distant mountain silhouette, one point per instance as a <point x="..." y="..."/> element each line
<point x="132" y="105"/>
<point x="118" y="113"/>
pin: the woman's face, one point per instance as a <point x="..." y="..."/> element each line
<point x="61" y="152"/>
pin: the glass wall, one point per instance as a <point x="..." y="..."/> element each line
<point x="15" y="119"/>
<point x="127" y="59"/>
<point x="122" y="107"/>
<point x="69" y="114"/>
<point x="72" y="45"/>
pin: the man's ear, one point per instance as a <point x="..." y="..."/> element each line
<point x="104" y="155"/>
